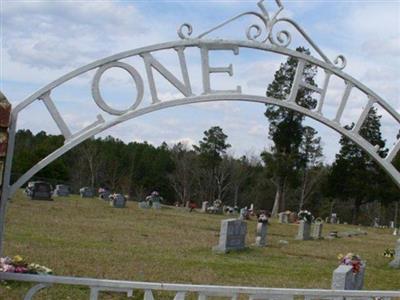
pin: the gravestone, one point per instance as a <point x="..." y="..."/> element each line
<point x="61" y="190"/>
<point x="143" y="204"/>
<point x="395" y="263"/>
<point x="40" y="190"/>
<point x="104" y="194"/>
<point x="334" y="218"/>
<point x="232" y="236"/>
<point x="391" y="224"/>
<point x="293" y="217"/>
<point x="283" y="218"/>
<point x="304" y="231"/>
<point x="156" y="205"/>
<point x="261" y="234"/>
<point x="343" y="278"/>
<point x="204" y="206"/>
<point x="117" y="200"/>
<point x="316" y="230"/>
<point x="86" y="192"/>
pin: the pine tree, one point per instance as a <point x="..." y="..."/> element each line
<point x="285" y="127"/>
<point x="211" y="150"/>
<point x="355" y="176"/>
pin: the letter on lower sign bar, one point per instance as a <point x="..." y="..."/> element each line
<point x="364" y="115"/>
<point x="343" y="102"/>
<point x="56" y="115"/>
<point x="150" y="63"/>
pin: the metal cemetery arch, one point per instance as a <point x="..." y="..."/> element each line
<point x="260" y="38"/>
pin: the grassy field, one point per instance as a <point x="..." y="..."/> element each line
<point x="88" y="238"/>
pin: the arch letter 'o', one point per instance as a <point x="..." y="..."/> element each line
<point x="96" y="90"/>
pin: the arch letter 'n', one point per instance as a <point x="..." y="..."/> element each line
<point x="150" y="62"/>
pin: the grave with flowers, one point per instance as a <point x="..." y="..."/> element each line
<point x="349" y="275"/>
<point x="304" y="232"/>
<point x="18" y="264"/>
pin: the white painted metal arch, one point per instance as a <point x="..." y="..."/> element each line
<point x="209" y="95"/>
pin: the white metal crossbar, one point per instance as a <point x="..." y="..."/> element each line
<point x="181" y="290"/>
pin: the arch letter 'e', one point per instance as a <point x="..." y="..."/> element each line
<point x="96" y="90"/>
<point x="207" y="70"/>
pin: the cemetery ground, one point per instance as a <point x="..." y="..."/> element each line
<point x="88" y="238"/>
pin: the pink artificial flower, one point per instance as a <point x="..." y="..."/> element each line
<point x="21" y="269"/>
<point x="8" y="268"/>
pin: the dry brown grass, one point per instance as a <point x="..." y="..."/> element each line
<point x="88" y="238"/>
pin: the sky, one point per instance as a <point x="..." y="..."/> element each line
<point x="43" y="40"/>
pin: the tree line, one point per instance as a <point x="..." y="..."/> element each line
<point x="290" y="175"/>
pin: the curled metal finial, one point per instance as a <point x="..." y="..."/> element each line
<point x="284" y="38"/>
<point x="340" y="62"/>
<point x="253" y="32"/>
<point x="185" y="31"/>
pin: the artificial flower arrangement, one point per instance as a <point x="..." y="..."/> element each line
<point x="306" y="216"/>
<point x="351" y="259"/>
<point x="389" y="253"/>
<point x="18" y="264"/>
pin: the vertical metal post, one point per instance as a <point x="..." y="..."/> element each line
<point x="5" y="112"/>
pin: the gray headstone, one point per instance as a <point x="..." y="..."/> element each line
<point x="261" y="235"/>
<point x="283" y="218"/>
<point x="391" y="224"/>
<point x="395" y="263"/>
<point x="334" y="219"/>
<point x="343" y="278"/>
<point x="156" y="205"/>
<point x="40" y="191"/>
<point x="143" y="204"/>
<point x="204" y="206"/>
<point x="86" y="192"/>
<point x="61" y="190"/>
<point x="304" y="231"/>
<point x="316" y="230"/>
<point x="118" y="201"/>
<point x="232" y="236"/>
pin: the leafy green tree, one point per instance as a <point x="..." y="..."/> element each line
<point x="286" y="129"/>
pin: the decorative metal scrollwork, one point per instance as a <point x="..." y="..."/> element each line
<point x="35" y="289"/>
<point x="263" y="33"/>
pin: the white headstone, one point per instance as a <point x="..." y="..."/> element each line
<point x="261" y="235"/>
<point x="304" y="231"/>
<point x="232" y="235"/>
<point x="395" y="263"/>
<point x="204" y="206"/>
<point x="316" y="230"/>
